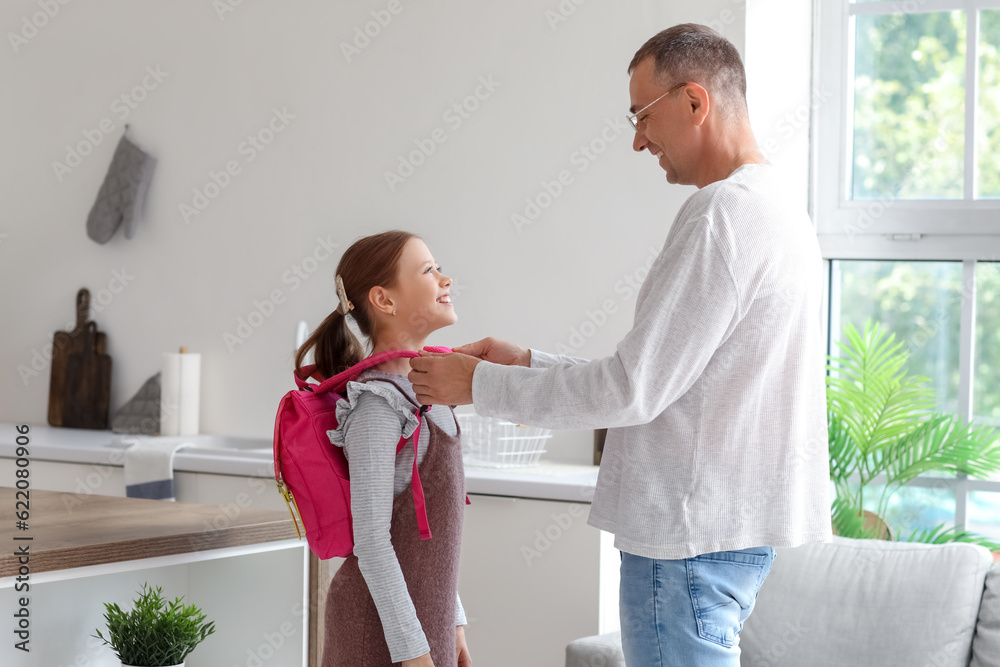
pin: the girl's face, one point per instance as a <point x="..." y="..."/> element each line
<point x="421" y="295"/>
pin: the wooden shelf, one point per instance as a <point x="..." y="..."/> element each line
<point x="71" y="530"/>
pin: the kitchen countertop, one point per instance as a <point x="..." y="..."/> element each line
<point x="106" y="529"/>
<point x="549" y="480"/>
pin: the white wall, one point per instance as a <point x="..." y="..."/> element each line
<point x="560" y="84"/>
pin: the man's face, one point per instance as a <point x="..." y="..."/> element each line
<point x="661" y="125"/>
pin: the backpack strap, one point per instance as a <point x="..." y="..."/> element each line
<point x="418" y="488"/>
<point x="340" y="380"/>
<point x="419" y="501"/>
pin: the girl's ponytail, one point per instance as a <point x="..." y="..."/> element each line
<point x="369" y="262"/>
<point x="336" y="346"/>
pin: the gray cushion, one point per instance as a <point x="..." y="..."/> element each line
<point x="986" y="645"/>
<point x="867" y="603"/>
<point x="597" y="651"/>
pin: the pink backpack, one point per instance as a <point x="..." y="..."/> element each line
<point x="312" y="474"/>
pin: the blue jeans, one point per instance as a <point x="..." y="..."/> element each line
<point x="689" y="612"/>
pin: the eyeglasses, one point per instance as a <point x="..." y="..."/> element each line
<point x="633" y="118"/>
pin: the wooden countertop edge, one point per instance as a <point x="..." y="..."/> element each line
<point x="47" y="560"/>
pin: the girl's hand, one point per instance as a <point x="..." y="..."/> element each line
<point x="497" y="352"/>
<point x="464" y="659"/>
<point x="421" y="661"/>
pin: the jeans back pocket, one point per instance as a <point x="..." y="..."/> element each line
<point x="723" y="587"/>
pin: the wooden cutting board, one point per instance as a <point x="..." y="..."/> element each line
<point x="80" y="380"/>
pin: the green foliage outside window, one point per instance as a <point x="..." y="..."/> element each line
<point x="909" y="106"/>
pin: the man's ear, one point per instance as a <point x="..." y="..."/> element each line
<point x="699" y="102"/>
<point x="381" y="300"/>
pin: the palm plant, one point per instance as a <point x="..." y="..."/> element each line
<point x="882" y="426"/>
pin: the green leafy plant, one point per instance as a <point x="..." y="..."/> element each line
<point x="156" y="632"/>
<point x="881" y="423"/>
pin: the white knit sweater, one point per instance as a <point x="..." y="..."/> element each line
<point x="716" y="398"/>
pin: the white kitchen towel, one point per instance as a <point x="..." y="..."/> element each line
<point x="149" y="467"/>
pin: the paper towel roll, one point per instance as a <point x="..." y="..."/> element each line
<point x="180" y="393"/>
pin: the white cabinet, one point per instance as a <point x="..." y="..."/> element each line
<point x="251" y="577"/>
<point x="531" y="580"/>
<point x="78" y="478"/>
<point x="231" y="492"/>
<point x="534" y="576"/>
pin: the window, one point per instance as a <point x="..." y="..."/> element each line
<point x="906" y="146"/>
<point x="919" y="302"/>
<point x="906" y="201"/>
<point x="986" y="388"/>
<point x="930" y="307"/>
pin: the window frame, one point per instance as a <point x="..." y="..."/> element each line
<point x="966" y="229"/>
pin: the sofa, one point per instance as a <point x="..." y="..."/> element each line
<point x="861" y="603"/>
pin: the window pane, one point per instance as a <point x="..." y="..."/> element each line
<point x="983" y="513"/>
<point x="909" y="106"/>
<point x="915" y="508"/>
<point x="986" y="376"/>
<point x="988" y="121"/>
<point x="919" y="302"/>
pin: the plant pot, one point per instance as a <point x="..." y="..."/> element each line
<point x="180" y="665"/>
<point x="875" y="522"/>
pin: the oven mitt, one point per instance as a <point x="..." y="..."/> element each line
<point x="122" y="194"/>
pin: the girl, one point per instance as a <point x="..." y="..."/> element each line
<point x="395" y="600"/>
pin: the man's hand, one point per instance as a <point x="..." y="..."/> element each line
<point x="442" y="379"/>
<point x="461" y="648"/>
<point x="497" y="352"/>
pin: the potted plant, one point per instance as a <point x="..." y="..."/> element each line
<point x="156" y="633"/>
<point x="883" y="429"/>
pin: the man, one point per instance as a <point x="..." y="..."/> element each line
<point x="717" y="448"/>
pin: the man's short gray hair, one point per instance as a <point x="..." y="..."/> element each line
<point x="695" y="53"/>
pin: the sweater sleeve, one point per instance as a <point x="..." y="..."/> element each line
<point x="687" y="307"/>
<point x="370" y="433"/>
<point x="541" y="359"/>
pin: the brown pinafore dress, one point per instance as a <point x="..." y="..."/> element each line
<point x="354" y="635"/>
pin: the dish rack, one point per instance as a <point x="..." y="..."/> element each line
<point x="495" y="443"/>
